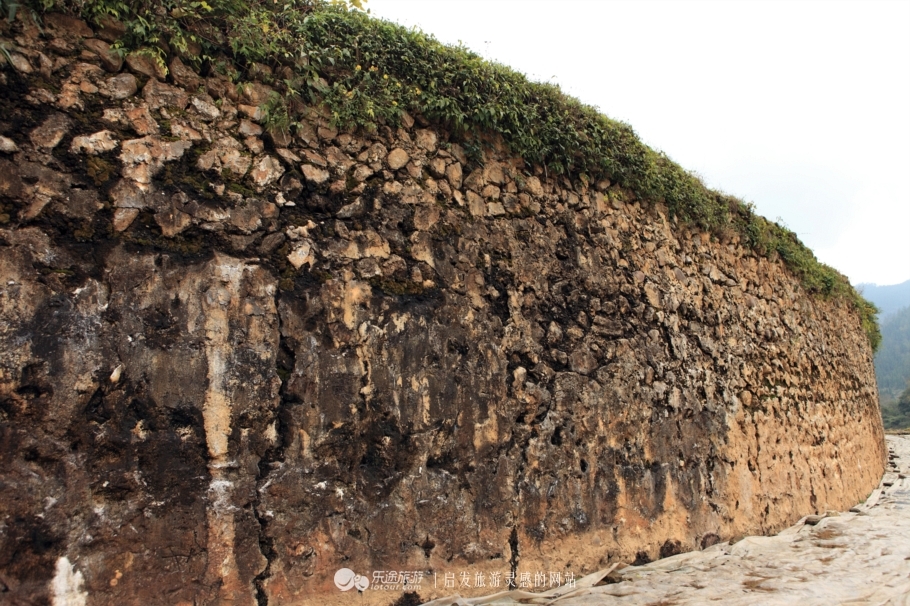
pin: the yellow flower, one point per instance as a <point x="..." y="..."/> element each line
<point x="385" y="76"/>
<point x="357" y="69"/>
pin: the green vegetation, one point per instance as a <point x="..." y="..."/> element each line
<point x="367" y="72"/>
<point x="896" y="413"/>
<point x="892" y="369"/>
<point x="889" y="299"/>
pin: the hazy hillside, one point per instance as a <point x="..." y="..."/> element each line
<point x="889" y="298"/>
<point x="892" y="361"/>
<point x="892" y="366"/>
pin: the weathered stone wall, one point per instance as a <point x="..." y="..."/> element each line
<point x="232" y="363"/>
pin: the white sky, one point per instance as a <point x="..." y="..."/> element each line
<point x="800" y="107"/>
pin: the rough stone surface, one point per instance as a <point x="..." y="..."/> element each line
<point x="315" y="175"/>
<point x="142" y="121"/>
<point x="20" y="63"/>
<point x="111" y="60"/>
<point x="122" y="86"/>
<point x="397" y="158"/>
<point x="146" y="65"/>
<point x="221" y="385"/>
<point x="266" y="171"/>
<point x="8" y="146"/>
<point x="158" y="95"/>
<point x="67" y="26"/>
<point x="855" y="557"/>
<point x="51" y="132"/>
<point x="183" y="75"/>
<point x="143" y="158"/>
<point x="110" y="29"/>
<point x="97" y="143"/>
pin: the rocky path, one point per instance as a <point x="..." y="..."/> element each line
<point x="858" y="557"/>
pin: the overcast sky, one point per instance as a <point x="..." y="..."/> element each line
<point x="800" y="107"/>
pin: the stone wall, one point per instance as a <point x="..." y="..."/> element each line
<point x="233" y="362"/>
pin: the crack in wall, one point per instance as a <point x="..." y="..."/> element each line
<point x="272" y="459"/>
<point x="515" y="555"/>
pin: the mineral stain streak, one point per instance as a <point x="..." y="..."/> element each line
<point x="219" y="301"/>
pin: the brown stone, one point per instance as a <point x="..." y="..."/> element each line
<point x="362" y="173"/>
<point x="495" y="209"/>
<point x="10" y="182"/>
<point x="288" y="156"/>
<point x="143" y="158"/>
<point x="254" y="144"/>
<point x="172" y="221"/>
<point x="110" y="59"/>
<point x="475" y="181"/>
<point x="206" y="110"/>
<point x="280" y="138"/>
<point x="454" y="175"/>
<point x="98" y="143"/>
<point x="476" y="205"/>
<point x="110" y="29"/>
<point x="123" y="218"/>
<point x="20" y="63"/>
<point x="121" y="86"/>
<point x="490" y="192"/>
<point x="184" y="76"/>
<point x="338" y="160"/>
<point x="426" y="139"/>
<point x="7" y="145"/>
<point x="250" y="129"/>
<point x="255" y="93"/>
<point x="314" y="175"/>
<point x="314" y="158"/>
<point x="530" y="185"/>
<point x="252" y="112"/>
<point x="493" y="173"/>
<point x="266" y="171"/>
<point x="141" y="120"/>
<point x="397" y="158"/>
<point x="129" y="194"/>
<point x="65" y="25"/>
<point x="327" y="133"/>
<point x="187" y="133"/>
<point x="158" y="95"/>
<point x="51" y="131"/>
<point x="146" y="63"/>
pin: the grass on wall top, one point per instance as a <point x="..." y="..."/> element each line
<point x="367" y="71"/>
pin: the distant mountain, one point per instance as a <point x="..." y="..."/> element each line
<point x="888" y="299"/>
<point x="892" y="362"/>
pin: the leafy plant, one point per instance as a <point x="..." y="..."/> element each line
<point x="276" y="117"/>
